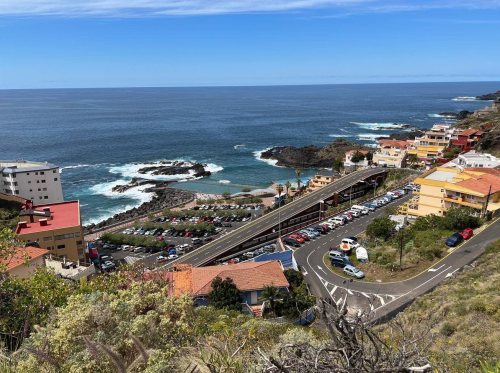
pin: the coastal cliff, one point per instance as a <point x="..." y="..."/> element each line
<point x="310" y="156"/>
<point x="487" y="120"/>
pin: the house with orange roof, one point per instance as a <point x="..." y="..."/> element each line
<point x="443" y="188"/>
<point x="55" y="227"/>
<point x="391" y="153"/>
<point x="250" y="278"/>
<point x="23" y="261"/>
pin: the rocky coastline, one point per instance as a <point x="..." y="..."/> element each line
<point x="458" y="116"/>
<point x="489" y="96"/>
<point x="164" y="198"/>
<point x="176" y="168"/>
<point x="310" y="156"/>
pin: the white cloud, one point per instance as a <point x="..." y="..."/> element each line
<point x="140" y="8"/>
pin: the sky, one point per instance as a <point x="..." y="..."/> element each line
<point x="148" y="43"/>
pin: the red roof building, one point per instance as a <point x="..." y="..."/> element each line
<point x="55" y="227"/>
<point x="466" y="139"/>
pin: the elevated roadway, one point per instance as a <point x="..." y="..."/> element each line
<point x="268" y="225"/>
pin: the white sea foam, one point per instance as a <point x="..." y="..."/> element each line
<point x="137" y="194"/>
<point x="379" y="126"/>
<point x="464" y="98"/>
<point x="337" y="135"/>
<point x="131" y="170"/>
<point x="75" y="166"/>
<point x="441" y="116"/>
<point x="370" y="136"/>
<point x="239" y="146"/>
<point x="272" y="162"/>
<point x="224" y="181"/>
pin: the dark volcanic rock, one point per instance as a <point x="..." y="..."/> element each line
<point x="460" y="115"/>
<point x="406" y="135"/>
<point x="138" y="182"/>
<point x="310" y="156"/>
<point x="165" y="198"/>
<point x="176" y="168"/>
<point x="489" y="96"/>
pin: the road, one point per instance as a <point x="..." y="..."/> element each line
<point x="215" y="249"/>
<point x="381" y="299"/>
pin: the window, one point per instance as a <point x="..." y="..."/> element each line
<point x="64" y="236"/>
<point x="15" y="183"/>
<point x="54" y="171"/>
<point x="39" y="190"/>
<point x="45" y="197"/>
<point x="48" y="238"/>
<point x="14" y="176"/>
<point x="38" y="181"/>
<point x="79" y="242"/>
<point x="36" y="173"/>
<point x="16" y="192"/>
<point x="61" y="246"/>
<point x="42" y="173"/>
<point x="27" y="173"/>
<point x="31" y="190"/>
<point x="40" y="197"/>
<point x="44" y="189"/>
<point x="55" y="179"/>
<point x="7" y="190"/>
<point x="43" y="181"/>
<point x="29" y="181"/>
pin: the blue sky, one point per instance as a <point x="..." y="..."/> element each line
<point x="114" y="43"/>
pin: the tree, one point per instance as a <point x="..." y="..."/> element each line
<point x="272" y="295"/>
<point x="288" y="184"/>
<point x="298" y="172"/>
<point x="460" y="218"/>
<point x="412" y="159"/>
<point x="369" y="156"/>
<point x="279" y="190"/>
<point x="357" y="157"/>
<point x="337" y="165"/>
<point x="224" y="295"/>
<point x="226" y="195"/>
<point x="383" y="228"/>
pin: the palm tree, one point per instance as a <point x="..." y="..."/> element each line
<point x="279" y="189"/>
<point x="298" y="172"/>
<point x="288" y="184"/>
<point x="272" y="295"/>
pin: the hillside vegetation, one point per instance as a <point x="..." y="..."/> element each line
<point x="464" y="317"/>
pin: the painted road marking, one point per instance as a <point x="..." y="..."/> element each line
<point x="451" y="273"/>
<point x="436" y="269"/>
<point x="366" y="295"/>
<point x="333" y="290"/>
<point x="350" y="292"/>
<point x="322" y="270"/>
<point x="381" y="299"/>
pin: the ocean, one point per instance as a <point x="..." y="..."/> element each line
<point x="101" y="137"/>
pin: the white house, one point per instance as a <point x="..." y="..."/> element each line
<point x="474" y="159"/>
<point x="39" y="182"/>
<point x="348" y="159"/>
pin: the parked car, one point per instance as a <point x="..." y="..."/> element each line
<point x="353" y="271"/>
<point x="340" y="261"/>
<point x="454" y="240"/>
<point x="370" y="206"/>
<point x="348" y="216"/>
<point x="338" y="220"/>
<point x="355" y="213"/>
<point x="297" y="238"/>
<point x="172" y="256"/>
<point x="467" y="233"/>
<point x="291" y="242"/>
<point x="161" y="258"/>
<point x="108" y="266"/>
<point x="352" y="244"/>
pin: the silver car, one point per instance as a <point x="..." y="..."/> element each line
<point x="353" y="271"/>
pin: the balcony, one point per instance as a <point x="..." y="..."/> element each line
<point x="463" y="201"/>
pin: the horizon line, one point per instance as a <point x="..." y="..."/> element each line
<point x="252" y="85"/>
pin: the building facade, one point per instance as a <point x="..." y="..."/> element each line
<point x="474" y="159"/>
<point x="391" y="153"/>
<point x="24" y="261"/>
<point x="55" y="227"/>
<point x="465" y="140"/>
<point x="432" y="144"/>
<point x="443" y="188"/>
<point x="348" y="162"/>
<point x="318" y="181"/>
<point x="36" y="181"/>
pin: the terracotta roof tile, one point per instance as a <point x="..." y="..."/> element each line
<point x="22" y="255"/>
<point x="246" y="276"/>
<point x="481" y="183"/>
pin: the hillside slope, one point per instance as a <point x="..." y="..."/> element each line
<point x="464" y="314"/>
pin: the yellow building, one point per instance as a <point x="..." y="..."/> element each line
<point x="320" y="180"/>
<point x="55" y="227"/>
<point x="391" y="153"/>
<point x="432" y="144"/>
<point x="443" y="188"/>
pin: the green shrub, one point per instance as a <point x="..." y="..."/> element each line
<point x="447" y="329"/>
<point x="382" y="228"/>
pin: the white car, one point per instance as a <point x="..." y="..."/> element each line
<point x="338" y="220"/>
<point x="356" y="213"/>
<point x="172" y="256"/>
<point x="361" y="254"/>
<point x="352" y="244"/>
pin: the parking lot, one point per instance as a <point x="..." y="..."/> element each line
<point x="177" y="235"/>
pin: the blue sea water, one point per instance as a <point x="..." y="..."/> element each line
<point x="100" y="136"/>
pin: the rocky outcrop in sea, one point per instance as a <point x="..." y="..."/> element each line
<point x="489" y="96"/>
<point x="310" y="156"/>
<point x="176" y="168"/>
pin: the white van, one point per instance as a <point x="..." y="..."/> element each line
<point x="363" y="209"/>
<point x="337" y="220"/>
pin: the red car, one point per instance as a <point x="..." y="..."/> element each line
<point x="467" y="233"/>
<point x="297" y="238"/>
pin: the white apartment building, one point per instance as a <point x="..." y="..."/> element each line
<point x="474" y="159"/>
<point x="39" y="182"/>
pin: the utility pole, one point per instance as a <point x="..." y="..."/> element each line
<point x="401" y="241"/>
<point x="487" y="201"/>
